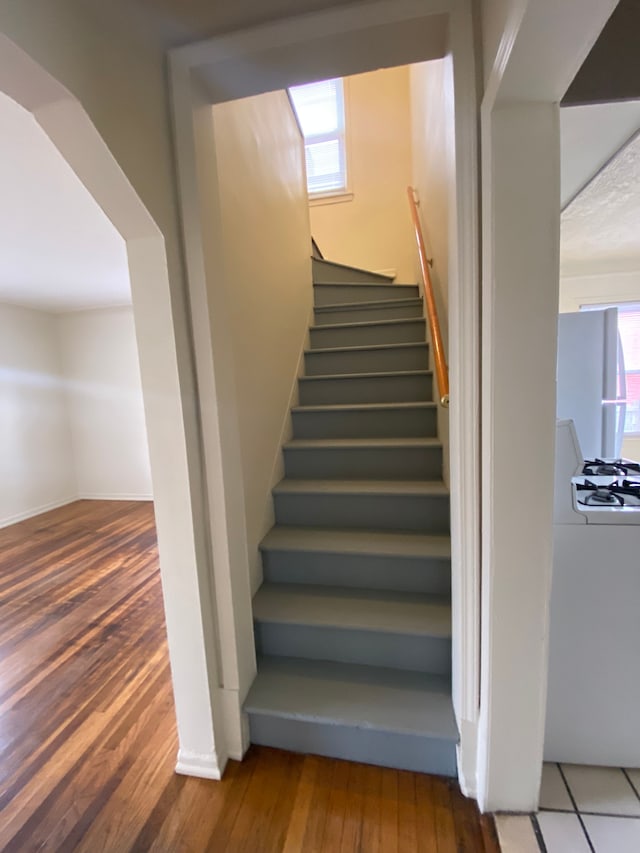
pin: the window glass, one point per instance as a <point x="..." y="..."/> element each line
<point x="320" y="110"/>
<point x="629" y="328"/>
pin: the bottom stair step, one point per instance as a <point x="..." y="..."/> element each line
<point x="373" y="715"/>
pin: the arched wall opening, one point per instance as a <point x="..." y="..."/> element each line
<point x="179" y="505"/>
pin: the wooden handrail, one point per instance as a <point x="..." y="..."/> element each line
<point x="442" y="371"/>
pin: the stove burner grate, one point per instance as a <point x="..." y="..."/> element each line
<point x="609" y="468"/>
<point x="611" y="494"/>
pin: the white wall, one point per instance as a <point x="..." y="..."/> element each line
<point x="432" y="120"/>
<point x="36" y="462"/>
<point x="520" y="250"/>
<point x="104" y="393"/>
<point x="267" y="282"/>
<point x="71" y="410"/>
<point x="433" y="176"/>
<point x="248" y="251"/>
<point x="496" y="16"/>
<point x="371" y="227"/>
<point x="521" y="260"/>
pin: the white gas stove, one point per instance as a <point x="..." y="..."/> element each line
<point x="594" y="633"/>
<point x="615" y="488"/>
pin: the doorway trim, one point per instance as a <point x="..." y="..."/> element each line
<point x="189" y="97"/>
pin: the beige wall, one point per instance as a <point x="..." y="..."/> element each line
<point x="267" y="281"/>
<point x="99" y="356"/>
<point x="600" y="289"/>
<point x="36" y="459"/>
<point x="372" y="229"/>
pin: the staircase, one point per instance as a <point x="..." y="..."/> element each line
<point x="353" y="620"/>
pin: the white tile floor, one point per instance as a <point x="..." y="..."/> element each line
<point x="582" y="810"/>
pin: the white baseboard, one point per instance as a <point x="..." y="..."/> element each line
<point x="236" y="723"/>
<point x="118" y="497"/>
<point x="204" y="766"/>
<point x="39" y="510"/>
<point x="31" y="513"/>
<point x="467" y="758"/>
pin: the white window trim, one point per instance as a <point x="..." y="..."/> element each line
<point x="338" y="197"/>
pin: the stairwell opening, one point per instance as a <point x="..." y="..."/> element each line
<point x="215" y="201"/>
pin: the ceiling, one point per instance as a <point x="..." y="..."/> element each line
<point x="58" y="250"/>
<point x="589" y="137"/>
<point x="600" y="230"/>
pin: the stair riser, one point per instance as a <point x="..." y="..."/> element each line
<point x="350" y="463"/>
<point x="327" y="271"/>
<point x="413" y="331"/>
<point x="423" y="513"/>
<point x="368" y="315"/>
<point x="369" y="648"/>
<point x="369" y="389"/>
<point x="368" y="746"/>
<point x="367" y="361"/>
<point x="359" y="571"/>
<point x="381" y="423"/>
<point x="340" y="294"/>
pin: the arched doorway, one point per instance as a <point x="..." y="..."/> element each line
<point x="170" y="410"/>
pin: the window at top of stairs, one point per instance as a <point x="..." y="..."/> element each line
<point x="320" y="110"/>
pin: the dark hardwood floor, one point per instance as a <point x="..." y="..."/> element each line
<point x="87" y="733"/>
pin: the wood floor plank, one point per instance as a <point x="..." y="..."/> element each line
<point x="425" y="815"/>
<point x="407" y="812"/>
<point x="371" y="839"/>
<point x="243" y="774"/>
<point x="445" y="823"/>
<point x="468" y="829"/>
<point x="352" y="832"/>
<point x="317" y="819"/>
<point x="301" y="806"/>
<point x="88" y="738"/>
<point x="389" y="811"/>
<point x="336" y="807"/>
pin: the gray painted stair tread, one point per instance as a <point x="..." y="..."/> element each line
<point x="402" y="345"/>
<point x="354" y="609"/>
<point x="353" y="695"/>
<point x="365" y="407"/>
<point x="357" y="443"/>
<point x="373" y="542"/>
<point x="339" y="376"/>
<point x="378" y="303"/>
<point x="362" y="323"/>
<point x="387" y="487"/>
